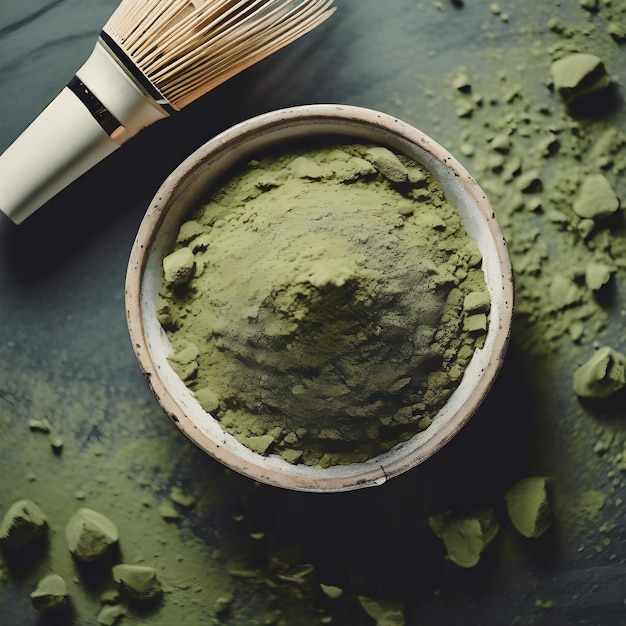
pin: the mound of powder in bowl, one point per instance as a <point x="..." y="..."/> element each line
<point x="325" y="302"/>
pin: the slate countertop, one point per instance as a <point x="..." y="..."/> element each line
<point x="65" y="354"/>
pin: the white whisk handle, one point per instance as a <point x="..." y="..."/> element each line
<point x="100" y="109"/>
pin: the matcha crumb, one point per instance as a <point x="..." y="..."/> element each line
<point x="23" y="522"/>
<point x="208" y="399"/>
<point x="596" y="198"/>
<point x="223" y="605"/>
<point x="388" y="164"/>
<point x="563" y="291"/>
<point x="461" y="82"/>
<point x="589" y="5"/>
<point x="44" y="426"/>
<point x="384" y="612"/>
<point x="303" y="167"/>
<point x="529" y="507"/>
<point x="577" y="75"/>
<point x="178" y="267"/>
<point x="181" y="498"/>
<point x="140" y="582"/>
<point x="476" y="302"/>
<point x="51" y="594"/>
<point x="597" y="275"/>
<point x="40" y="425"/>
<point x="602" y="375"/>
<point x="90" y="535"/>
<point x="189" y="231"/>
<point x="260" y="443"/>
<point x="110" y="596"/>
<point x="465" y="538"/>
<point x="168" y="511"/>
<point x="331" y="591"/>
<point x="544" y="604"/>
<point x="111" y="615"/>
<point x="476" y="323"/>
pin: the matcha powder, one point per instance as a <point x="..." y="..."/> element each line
<point x="324" y="304"/>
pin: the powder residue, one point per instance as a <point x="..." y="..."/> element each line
<point x="332" y="304"/>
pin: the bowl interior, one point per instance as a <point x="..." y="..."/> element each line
<point x="186" y="188"/>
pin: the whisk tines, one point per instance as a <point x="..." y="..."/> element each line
<point x="185" y="48"/>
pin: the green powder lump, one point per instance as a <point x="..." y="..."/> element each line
<point x="384" y="612"/>
<point x="111" y="614"/>
<point x="596" y="198"/>
<point x="332" y="301"/>
<point x="23" y="523"/>
<point x="465" y="538"/>
<point x="90" y="535"/>
<point x="51" y="594"/>
<point x="138" y="581"/>
<point x="528" y="506"/>
<point x="579" y="74"/>
<point x="602" y="375"/>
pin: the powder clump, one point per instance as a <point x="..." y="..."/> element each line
<point x="529" y="507"/>
<point x="578" y="75"/>
<point x="465" y="537"/>
<point x="602" y="375"/>
<point x="138" y="581"/>
<point x="331" y="314"/>
<point x="90" y="535"/>
<point x="178" y="267"/>
<point x="51" y="594"/>
<point x="596" y="198"/>
<point x="23" y="523"/>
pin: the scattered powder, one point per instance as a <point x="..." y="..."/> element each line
<point x="331" y="301"/>
<point x="129" y="466"/>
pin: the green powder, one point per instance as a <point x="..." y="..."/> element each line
<point x="528" y="506"/>
<point x="90" y="535"/>
<point x="602" y="375"/>
<point x="51" y="594"/>
<point x="465" y="537"/>
<point x="578" y="75"/>
<point x="138" y="581"/>
<point x="22" y="524"/>
<point x="325" y="303"/>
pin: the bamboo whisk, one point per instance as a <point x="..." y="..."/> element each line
<point x="186" y="48"/>
<point x="153" y="58"/>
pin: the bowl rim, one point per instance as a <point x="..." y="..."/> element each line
<point x="219" y="152"/>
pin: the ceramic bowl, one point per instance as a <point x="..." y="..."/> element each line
<point x="188" y="185"/>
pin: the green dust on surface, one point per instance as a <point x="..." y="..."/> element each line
<point x="325" y="303"/>
<point x="228" y="551"/>
<point x="128" y="525"/>
<point x="539" y="123"/>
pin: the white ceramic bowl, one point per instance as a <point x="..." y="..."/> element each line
<point x="189" y="183"/>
